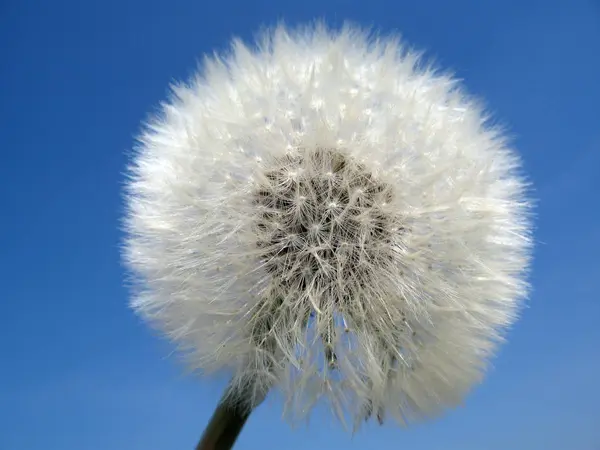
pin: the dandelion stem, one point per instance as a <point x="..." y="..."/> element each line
<point x="225" y="425"/>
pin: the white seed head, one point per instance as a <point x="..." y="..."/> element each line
<point x="323" y="214"/>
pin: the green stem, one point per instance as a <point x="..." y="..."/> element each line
<point x="224" y="427"/>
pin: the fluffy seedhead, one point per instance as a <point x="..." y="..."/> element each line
<point x="323" y="215"/>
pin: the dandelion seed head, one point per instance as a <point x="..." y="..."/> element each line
<point x="324" y="215"/>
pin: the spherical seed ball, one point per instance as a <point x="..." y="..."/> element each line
<point x="323" y="214"/>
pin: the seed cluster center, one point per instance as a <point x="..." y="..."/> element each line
<point x="322" y="222"/>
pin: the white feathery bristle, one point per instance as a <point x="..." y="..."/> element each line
<point x="324" y="215"/>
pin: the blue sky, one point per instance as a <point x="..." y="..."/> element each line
<point x="80" y="371"/>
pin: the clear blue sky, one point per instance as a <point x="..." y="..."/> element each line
<point x="80" y="372"/>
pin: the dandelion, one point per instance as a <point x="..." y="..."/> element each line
<point x="324" y="215"/>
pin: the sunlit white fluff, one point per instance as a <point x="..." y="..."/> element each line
<point x="322" y="213"/>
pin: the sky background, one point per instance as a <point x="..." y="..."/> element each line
<point x="78" y="371"/>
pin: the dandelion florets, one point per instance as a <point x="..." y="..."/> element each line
<point x="326" y="216"/>
<point x="324" y="224"/>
